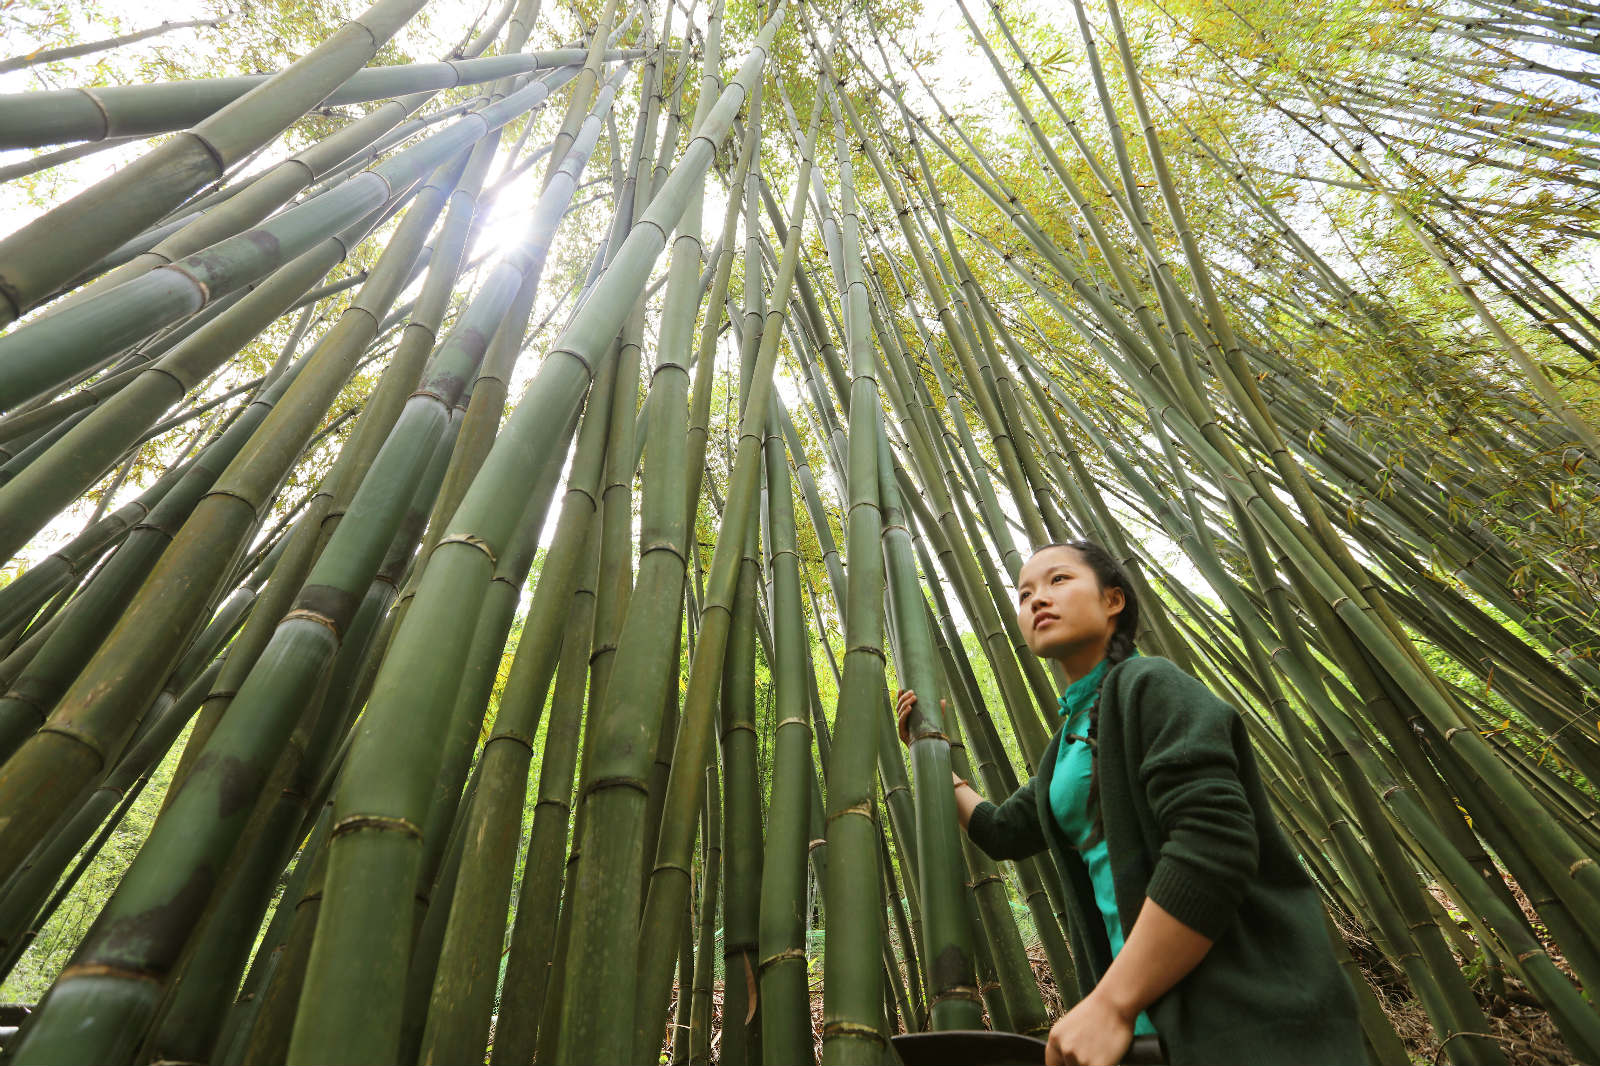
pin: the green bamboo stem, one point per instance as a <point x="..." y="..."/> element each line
<point x="954" y="1002"/>
<point x="669" y="883"/>
<point x="29" y="120"/>
<point x="705" y="947"/>
<point x="73" y="235"/>
<point x="37" y="686"/>
<point x="485" y="830"/>
<point x="28" y="592"/>
<point x="786" y="1009"/>
<point x="86" y="728"/>
<point x="191" y="847"/>
<point x="463" y="985"/>
<point x="852" y="994"/>
<point x="82" y="456"/>
<point x="382" y="860"/>
<point x="45" y="352"/>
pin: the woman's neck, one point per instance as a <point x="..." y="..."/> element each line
<point x="1076" y="663"/>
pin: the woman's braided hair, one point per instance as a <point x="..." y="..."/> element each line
<point x="1108" y="574"/>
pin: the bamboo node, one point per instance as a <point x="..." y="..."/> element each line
<point x="855" y="1029"/>
<point x="357" y="822"/>
<point x="233" y="495"/>
<point x="992" y="879"/>
<point x="313" y="616"/>
<point x="469" y="540"/>
<point x="98" y="969"/>
<point x="205" y="290"/>
<point x="864" y="809"/>
<point x="512" y="734"/>
<point x="815" y="844"/>
<point x="791" y="721"/>
<point x="604" y="783"/>
<point x="588" y="367"/>
<point x="782" y="956"/>
<point x="966" y="992"/>
<point x="212" y="151"/>
<point x="1580" y="864"/>
<point x="105" y="117"/>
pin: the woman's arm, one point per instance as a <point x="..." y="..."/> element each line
<point x="967" y="799"/>
<point x="1159" y="952"/>
<point x="1009" y="831"/>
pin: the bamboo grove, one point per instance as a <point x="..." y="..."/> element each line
<point x="516" y="615"/>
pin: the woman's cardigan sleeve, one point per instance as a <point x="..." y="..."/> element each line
<point x="1010" y="830"/>
<point x="1190" y="773"/>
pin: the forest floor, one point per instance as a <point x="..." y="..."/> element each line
<point x="1522" y="1026"/>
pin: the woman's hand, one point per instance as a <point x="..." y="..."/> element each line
<point x="1094" y="1033"/>
<point x="903" y="706"/>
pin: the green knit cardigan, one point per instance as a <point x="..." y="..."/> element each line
<point x="1188" y="825"/>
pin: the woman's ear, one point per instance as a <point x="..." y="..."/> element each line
<point x="1114" y="599"/>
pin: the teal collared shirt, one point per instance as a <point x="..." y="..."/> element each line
<point x="1069" y="804"/>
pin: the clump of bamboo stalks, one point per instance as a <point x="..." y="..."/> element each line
<point x="553" y="725"/>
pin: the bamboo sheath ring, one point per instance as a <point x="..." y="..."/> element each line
<point x="788" y="954"/>
<point x="211" y="150"/>
<point x="663" y="545"/>
<point x="863" y="809"/>
<point x="511" y="734"/>
<point x="205" y="290"/>
<point x="87" y="739"/>
<point x="100" y="969"/>
<point x="969" y="993"/>
<point x="851" y="1029"/>
<point x="105" y="116"/>
<point x="382" y="822"/>
<point x="469" y="540"/>
<point x="604" y="783"/>
<point x="303" y="614"/>
<point x="588" y="367"/>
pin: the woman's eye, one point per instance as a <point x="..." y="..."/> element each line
<point x="1058" y="578"/>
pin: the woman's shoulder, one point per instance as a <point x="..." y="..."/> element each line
<point x="1153" y="684"/>
<point x="1149" y="669"/>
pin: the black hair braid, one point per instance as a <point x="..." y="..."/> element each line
<point x="1108" y="574"/>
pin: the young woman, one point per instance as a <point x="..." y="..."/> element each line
<point x="1193" y="919"/>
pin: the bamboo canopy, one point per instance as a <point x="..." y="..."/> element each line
<point x="472" y="483"/>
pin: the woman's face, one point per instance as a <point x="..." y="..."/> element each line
<point x="1060" y="606"/>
